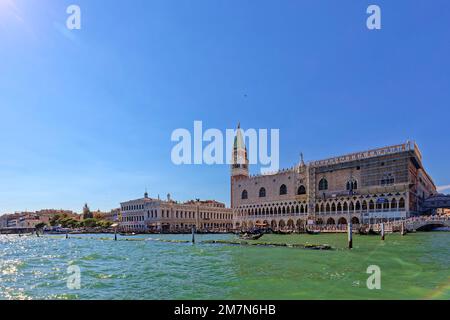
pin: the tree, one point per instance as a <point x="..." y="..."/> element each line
<point x="40" y="225"/>
<point x="54" y="221"/>
<point x="90" y="222"/>
<point x="105" y="224"/>
<point x="99" y="215"/>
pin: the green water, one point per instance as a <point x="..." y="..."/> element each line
<point x="416" y="266"/>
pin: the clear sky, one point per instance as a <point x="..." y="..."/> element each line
<point x="87" y="115"/>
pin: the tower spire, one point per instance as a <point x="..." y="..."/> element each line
<point x="239" y="165"/>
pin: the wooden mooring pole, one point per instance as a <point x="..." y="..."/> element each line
<point x="382" y="231"/>
<point x="193" y="235"/>
<point x="350" y="236"/>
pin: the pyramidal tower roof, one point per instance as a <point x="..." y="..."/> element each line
<point x="239" y="139"/>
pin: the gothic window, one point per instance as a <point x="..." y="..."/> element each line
<point x="323" y="184"/>
<point x="401" y="203"/>
<point x="283" y="189"/>
<point x="394" y="204"/>
<point x="244" y="194"/>
<point x="262" y="193"/>
<point x="301" y="190"/>
<point x="387" y="179"/>
<point x="352" y="185"/>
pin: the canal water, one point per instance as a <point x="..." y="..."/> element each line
<point x="416" y="266"/>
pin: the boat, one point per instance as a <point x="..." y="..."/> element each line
<point x="128" y="234"/>
<point x="312" y="231"/>
<point x="363" y="231"/>
<point x="373" y="232"/>
<point x="368" y="232"/>
<point x="249" y="236"/>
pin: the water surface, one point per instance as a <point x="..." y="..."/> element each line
<point x="416" y="266"/>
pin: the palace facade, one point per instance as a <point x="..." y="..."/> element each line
<point x="370" y="186"/>
<point x="155" y="215"/>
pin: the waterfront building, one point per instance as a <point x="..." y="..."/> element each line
<point x="156" y="215"/>
<point x="45" y="215"/>
<point x="375" y="185"/>
<point x="443" y="212"/>
<point x="28" y="220"/>
<point x="112" y="216"/>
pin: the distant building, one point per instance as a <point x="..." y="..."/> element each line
<point x="443" y="212"/>
<point x="148" y="214"/>
<point x="369" y="186"/>
<point x="112" y="216"/>
<point x="45" y="215"/>
<point x="28" y="220"/>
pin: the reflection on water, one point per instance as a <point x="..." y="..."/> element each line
<point x="413" y="267"/>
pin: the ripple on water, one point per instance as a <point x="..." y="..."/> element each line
<point x="415" y="266"/>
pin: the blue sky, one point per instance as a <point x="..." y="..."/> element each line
<point x="87" y="115"/>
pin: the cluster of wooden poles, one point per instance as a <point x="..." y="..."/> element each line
<point x="382" y="232"/>
<point x="349" y="230"/>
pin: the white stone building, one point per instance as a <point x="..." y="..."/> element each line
<point x="155" y="215"/>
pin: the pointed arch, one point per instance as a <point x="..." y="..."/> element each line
<point x="262" y="192"/>
<point x="323" y="184"/>
<point x="401" y="203"/>
<point x="290" y="224"/>
<point x="273" y="224"/>
<point x="301" y="190"/>
<point x="355" y="220"/>
<point x="394" y="204"/>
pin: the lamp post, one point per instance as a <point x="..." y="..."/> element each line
<point x="349" y="216"/>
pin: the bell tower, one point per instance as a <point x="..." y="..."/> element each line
<point x="239" y="161"/>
